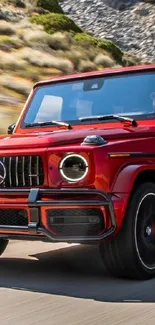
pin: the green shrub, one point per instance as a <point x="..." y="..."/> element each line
<point x="56" y="22"/>
<point x="8" y="43"/>
<point x="112" y="48"/>
<point x="87" y="40"/>
<point x="59" y="22"/>
<point x="50" y="5"/>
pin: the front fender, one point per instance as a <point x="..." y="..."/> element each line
<point x="125" y="179"/>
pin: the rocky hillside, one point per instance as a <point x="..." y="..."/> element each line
<point x="39" y="41"/>
<point x="128" y="23"/>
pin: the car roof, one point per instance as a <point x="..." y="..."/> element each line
<point x="104" y="72"/>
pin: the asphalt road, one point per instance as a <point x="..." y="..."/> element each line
<point x="53" y="284"/>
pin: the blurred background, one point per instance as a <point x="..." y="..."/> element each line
<point x="40" y="39"/>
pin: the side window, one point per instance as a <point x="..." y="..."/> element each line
<point x="50" y="108"/>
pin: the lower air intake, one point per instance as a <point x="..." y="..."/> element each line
<point x="13" y="217"/>
<point x="76" y="222"/>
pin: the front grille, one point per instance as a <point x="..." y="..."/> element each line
<point x="76" y="222"/>
<point x="22" y="171"/>
<point x="13" y="217"/>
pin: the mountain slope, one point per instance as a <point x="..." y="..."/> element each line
<point x="37" y="41"/>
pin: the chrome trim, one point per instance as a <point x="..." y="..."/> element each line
<point x="4" y="184"/>
<point x="30" y="170"/>
<point x="73" y="180"/>
<point x="37" y="171"/>
<point x="16" y="167"/>
<point x="10" y="178"/>
<point x="23" y="170"/>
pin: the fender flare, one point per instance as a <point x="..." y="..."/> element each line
<point x="125" y="179"/>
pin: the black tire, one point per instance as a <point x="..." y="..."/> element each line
<point x="131" y="253"/>
<point x="3" y="245"/>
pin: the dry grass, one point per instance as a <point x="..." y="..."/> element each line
<point x="11" y="104"/>
<point x="11" y="62"/>
<point x="19" y="85"/>
<point x="58" y="41"/>
<point x="33" y="36"/>
<point x="38" y="38"/>
<point x="7" y="28"/>
<point x="86" y="66"/>
<point x="45" y="60"/>
<point x="7" y="43"/>
<point x="104" y="61"/>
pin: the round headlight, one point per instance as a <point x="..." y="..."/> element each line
<point x="73" y="167"/>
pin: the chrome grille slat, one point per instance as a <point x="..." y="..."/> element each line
<point x="30" y="170"/>
<point x="10" y="178"/>
<point x="16" y="171"/>
<point x="3" y="160"/>
<point x="37" y="169"/>
<point x="23" y="171"/>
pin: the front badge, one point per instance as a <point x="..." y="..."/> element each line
<point x="2" y="173"/>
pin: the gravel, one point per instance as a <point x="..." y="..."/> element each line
<point x="130" y="24"/>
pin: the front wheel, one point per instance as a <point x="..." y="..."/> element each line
<point x="131" y="253"/>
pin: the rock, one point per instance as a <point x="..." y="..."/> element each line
<point x="11" y="15"/>
<point x="2" y="16"/>
<point x="143" y="12"/>
<point x="130" y="24"/>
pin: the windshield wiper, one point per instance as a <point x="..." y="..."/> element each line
<point x="109" y="117"/>
<point x="59" y="123"/>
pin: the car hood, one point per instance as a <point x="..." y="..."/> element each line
<point x="68" y="137"/>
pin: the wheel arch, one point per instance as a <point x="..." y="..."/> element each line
<point x="128" y="181"/>
<point x="131" y="176"/>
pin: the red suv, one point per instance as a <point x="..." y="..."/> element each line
<point x="79" y="167"/>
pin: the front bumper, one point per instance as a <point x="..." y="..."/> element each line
<point x="36" y="201"/>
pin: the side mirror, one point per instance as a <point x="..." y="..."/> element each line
<point x="11" y="128"/>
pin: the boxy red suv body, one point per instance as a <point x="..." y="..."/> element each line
<point x="79" y="167"/>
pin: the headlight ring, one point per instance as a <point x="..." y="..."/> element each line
<point x="73" y="167"/>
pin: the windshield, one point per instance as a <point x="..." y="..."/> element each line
<point x="127" y="95"/>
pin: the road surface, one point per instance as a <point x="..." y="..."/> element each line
<point x="56" y="284"/>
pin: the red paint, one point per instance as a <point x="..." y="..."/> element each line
<point x="115" y="176"/>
